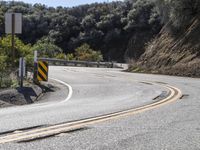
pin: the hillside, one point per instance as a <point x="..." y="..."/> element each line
<point x="111" y="28"/>
<point x="174" y="53"/>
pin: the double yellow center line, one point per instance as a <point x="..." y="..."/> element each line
<point x="34" y="134"/>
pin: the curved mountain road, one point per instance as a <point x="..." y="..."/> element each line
<point x="95" y="92"/>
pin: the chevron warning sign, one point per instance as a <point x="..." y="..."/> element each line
<point x="43" y="68"/>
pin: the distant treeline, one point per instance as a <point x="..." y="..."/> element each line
<point x="107" y="27"/>
<point x="118" y="29"/>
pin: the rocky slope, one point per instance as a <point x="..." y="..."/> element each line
<point x="174" y="53"/>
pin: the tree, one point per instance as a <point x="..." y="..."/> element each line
<point x="88" y="22"/>
<point x="70" y="57"/>
<point x="46" y="49"/>
<point x="61" y="56"/>
<point x="105" y="26"/>
<point x="139" y="16"/>
<point x="2" y="68"/>
<point x="21" y="49"/>
<point x="179" y="12"/>
<point x="84" y="52"/>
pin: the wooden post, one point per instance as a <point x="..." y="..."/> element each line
<point x="13" y="38"/>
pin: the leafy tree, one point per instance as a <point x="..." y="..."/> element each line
<point x="61" y="56"/>
<point x="2" y="64"/>
<point x="105" y="26"/>
<point x="183" y="10"/>
<point x="70" y="57"/>
<point x="84" y="52"/>
<point x="179" y="12"/>
<point x="46" y="49"/>
<point x="2" y="68"/>
<point x="21" y="49"/>
<point x="140" y="15"/>
<point x="88" y="22"/>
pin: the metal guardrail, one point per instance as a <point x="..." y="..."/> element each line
<point x="53" y="61"/>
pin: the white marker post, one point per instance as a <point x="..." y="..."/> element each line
<point x="22" y="70"/>
<point x="35" y="68"/>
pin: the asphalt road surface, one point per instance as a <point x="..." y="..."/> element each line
<point x="89" y="92"/>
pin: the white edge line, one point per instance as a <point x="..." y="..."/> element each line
<point x="68" y="86"/>
<point x="48" y="104"/>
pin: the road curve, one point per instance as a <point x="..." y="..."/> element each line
<point x="97" y="92"/>
<point x="44" y="132"/>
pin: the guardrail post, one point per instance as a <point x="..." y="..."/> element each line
<point x="112" y="65"/>
<point x="87" y="64"/>
<point x="108" y="65"/>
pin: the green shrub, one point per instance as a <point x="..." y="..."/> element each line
<point x="7" y="82"/>
<point x="21" y="50"/>
<point x="61" y="56"/>
<point x="46" y="49"/>
<point x="29" y="60"/>
<point x="70" y="57"/>
<point x="85" y="53"/>
<point x="2" y="69"/>
<point x="180" y="12"/>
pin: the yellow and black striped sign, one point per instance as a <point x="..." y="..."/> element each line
<point x="42" y="74"/>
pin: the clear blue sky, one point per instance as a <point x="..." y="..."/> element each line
<point x="66" y="3"/>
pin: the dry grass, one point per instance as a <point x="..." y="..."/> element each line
<point x="173" y="55"/>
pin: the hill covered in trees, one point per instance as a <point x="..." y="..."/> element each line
<point x="158" y="35"/>
<point x="118" y="29"/>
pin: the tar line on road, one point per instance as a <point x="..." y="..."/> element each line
<point x="34" y="134"/>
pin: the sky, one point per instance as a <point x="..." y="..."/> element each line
<point x="64" y="3"/>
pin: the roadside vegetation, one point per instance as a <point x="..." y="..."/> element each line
<point x="8" y="70"/>
<point x="96" y="32"/>
<point x="118" y="30"/>
<point x="159" y="36"/>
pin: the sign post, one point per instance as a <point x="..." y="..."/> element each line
<point x="13" y="36"/>
<point x="13" y="25"/>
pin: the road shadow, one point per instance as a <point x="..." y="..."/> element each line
<point x="28" y="93"/>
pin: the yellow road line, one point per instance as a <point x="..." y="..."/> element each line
<point x="56" y="129"/>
